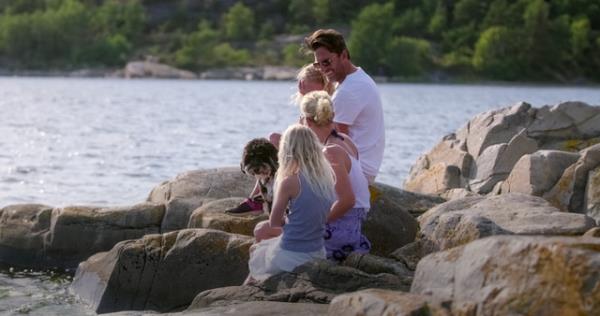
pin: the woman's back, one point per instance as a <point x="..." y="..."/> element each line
<point x="306" y="220"/>
<point x="358" y="180"/>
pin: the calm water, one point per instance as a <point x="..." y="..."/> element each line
<point x="109" y="142"/>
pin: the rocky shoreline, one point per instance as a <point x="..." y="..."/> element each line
<point x="498" y="218"/>
<point x="153" y="69"/>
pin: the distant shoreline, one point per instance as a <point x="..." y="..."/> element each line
<point x="283" y="73"/>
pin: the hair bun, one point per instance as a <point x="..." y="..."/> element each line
<point x="324" y="109"/>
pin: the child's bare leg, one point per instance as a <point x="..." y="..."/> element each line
<point x="249" y="280"/>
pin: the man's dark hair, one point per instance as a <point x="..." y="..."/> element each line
<point x="328" y="38"/>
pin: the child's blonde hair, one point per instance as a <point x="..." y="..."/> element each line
<point x="301" y="152"/>
<point x="310" y="73"/>
<point x="318" y="107"/>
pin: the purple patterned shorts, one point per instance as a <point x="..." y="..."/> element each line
<point x="344" y="236"/>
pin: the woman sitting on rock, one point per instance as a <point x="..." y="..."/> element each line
<point x="304" y="184"/>
<point x="343" y="231"/>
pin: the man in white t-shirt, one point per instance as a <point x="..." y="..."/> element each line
<point x="356" y="101"/>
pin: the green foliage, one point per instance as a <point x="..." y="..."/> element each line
<point x="307" y="14"/>
<point x="203" y="49"/>
<point x="408" y="57"/>
<point x="300" y="11"/>
<point x="21" y="6"/>
<point x="497" y="53"/>
<point x="499" y="39"/>
<point x="120" y="17"/>
<point x="321" y="11"/>
<point x="196" y="51"/>
<point x="580" y="36"/>
<point x="293" y="56"/>
<point x="45" y="37"/>
<point x="371" y="36"/>
<point x="458" y="59"/>
<point x="112" y="50"/>
<point x="227" y="56"/>
<point x="469" y="11"/>
<point x="460" y="37"/>
<point x="439" y="20"/>
<point x="267" y="30"/>
<point x="265" y="53"/>
<point x="238" y="22"/>
<point x="299" y="29"/>
<point x="501" y="13"/>
<point x="411" y="22"/>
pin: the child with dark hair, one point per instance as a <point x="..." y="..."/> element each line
<point x="259" y="159"/>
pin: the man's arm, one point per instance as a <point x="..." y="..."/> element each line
<point x="342" y="128"/>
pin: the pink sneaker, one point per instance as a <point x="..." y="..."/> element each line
<point x="248" y="205"/>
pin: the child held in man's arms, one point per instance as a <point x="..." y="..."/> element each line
<point x="259" y="159"/>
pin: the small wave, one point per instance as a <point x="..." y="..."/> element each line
<point x="10" y="180"/>
<point x="25" y="169"/>
<point x="137" y="175"/>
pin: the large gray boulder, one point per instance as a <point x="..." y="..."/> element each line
<point x="482" y="154"/>
<point x="461" y="221"/>
<point x="592" y="194"/>
<point x="569" y="191"/>
<point x="496" y="161"/>
<point x="441" y="169"/>
<point x="39" y="236"/>
<point x="495" y="127"/>
<point x="79" y="232"/>
<point x="536" y="173"/>
<point x="23" y="230"/>
<point x="162" y="272"/>
<point x="567" y="120"/>
<point x="190" y="190"/>
<point x="391" y="222"/>
<point x="515" y="275"/>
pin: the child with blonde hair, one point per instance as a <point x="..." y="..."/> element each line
<point x="305" y="185"/>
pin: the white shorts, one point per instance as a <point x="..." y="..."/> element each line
<point x="267" y="258"/>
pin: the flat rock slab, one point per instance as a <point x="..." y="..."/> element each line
<point x="262" y="309"/>
<point x="41" y="237"/>
<point x="461" y="221"/>
<point x="515" y="275"/>
<point x="190" y="190"/>
<point x="213" y="215"/>
<point x="314" y="282"/>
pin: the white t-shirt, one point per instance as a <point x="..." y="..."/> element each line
<point x="356" y="103"/>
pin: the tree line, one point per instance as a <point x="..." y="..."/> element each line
<point x="513" y="40"/>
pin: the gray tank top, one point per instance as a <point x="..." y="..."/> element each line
<point x="305" y="227"/>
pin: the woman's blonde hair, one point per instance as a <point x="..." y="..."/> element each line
<point x="301" y="152"/>
<point x="318" y="107"/>
<point x="310" y="73"/>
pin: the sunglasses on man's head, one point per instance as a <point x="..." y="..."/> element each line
<point x="323" y="63"/>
